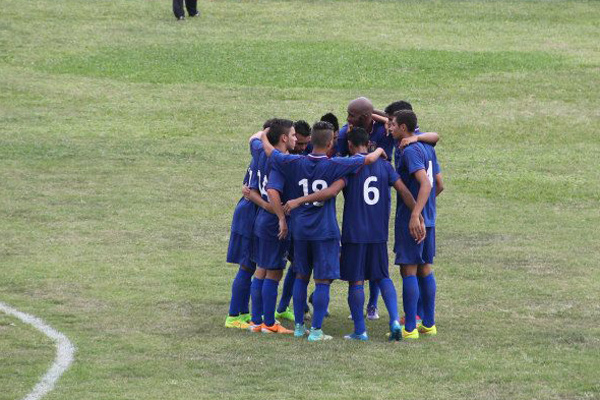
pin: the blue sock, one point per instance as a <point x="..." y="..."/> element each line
<point x="320" y="303"/>
<point x="390" y="298"/>
<point x="420" y="311"/>
<point x="257" y="302"/>
<point x="286" y="292"/>
<point x="410" y="296"/>
<point x="269" y="296"/>
<point x="299" y="294"/>
<point x="240" y="290"/>
<point x="356" y="302"/>
<point x="428" y="288"/>
<point x="373" y="294"/>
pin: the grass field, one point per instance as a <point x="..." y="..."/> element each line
<point x="122" y="150"/>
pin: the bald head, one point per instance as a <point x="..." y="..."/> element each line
<point x="359" y="112"/>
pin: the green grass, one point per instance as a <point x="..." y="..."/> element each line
<point x="122" y="148"/>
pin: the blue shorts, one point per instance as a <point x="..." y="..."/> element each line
<point x="270" y="254"/>
<point x="240" y="251"/>
<point x="364" y="261"/>
<point x="320" y="256"/>
<point x="409" y="252"/>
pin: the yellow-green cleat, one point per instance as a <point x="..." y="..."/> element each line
<point x="246" y="318"/>
<point x="414" y="334"/>
<point x="425" y="331"/>
<point x="287" y="314"/>
<point x="235" y="322"/>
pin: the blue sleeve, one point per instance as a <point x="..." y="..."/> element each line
<point x="342" y="142"/>
<point x="276" y="180"/>
<point x="415" y="159"/>
<point x="391" y="173"/>
<point x="283" y="161"/>
<point x="436" y="166"/>
<point x="255" y="147"/>
<point x="342" y="166"/>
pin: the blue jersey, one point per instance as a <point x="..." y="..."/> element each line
<point x="398" y="150"/>
<point x="308" y="174"/>
<point x="245" y="211"/>
<point x="367" y="203"/>
<point x="415" y="157"/>
<point x="379" y="137"/>
<point x="266" y="224"/>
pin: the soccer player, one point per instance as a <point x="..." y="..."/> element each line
<point x="419" y="170"/>
<point x="315" y="229"/>
<point x="240" y="248"/>
<point x="302" y="129"/>
<point x="271" y="238"/>
<point x="365" y="231"/>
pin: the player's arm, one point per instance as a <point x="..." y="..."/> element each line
<point x="439" y="184"/>
<point x="379" y="113"/>
<point x="379" y="118"/>
<point x="257" y="135"/>
<point x="321" y="195"/>
<point x="267" y="146"/>
<point x="414" y="225"/>
<point x="275" y="201"/>
<point x="374" y="156"/>
<point x="254" y="196"/>
<point x="427" y="137"/>
<point x="410" y="202"/>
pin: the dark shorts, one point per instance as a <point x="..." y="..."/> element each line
<point x="322" y="257"/>
<point x="364" y="261"/>
<point x="270" y="254"/>
<point x="409" y="252"/>
<point x="240" y="251"/>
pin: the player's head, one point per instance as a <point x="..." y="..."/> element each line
<point x="403" y="124"/>
<point x="358" y="140"/>
<point x="360" y="112"/>
<point x="268" y="123"/>
<point x="321" y="135"/>
<point x="281" y="131"/>
<point x="302" y="129"/>
<point x="332" y="119"/>
<point x="394" y="107"/>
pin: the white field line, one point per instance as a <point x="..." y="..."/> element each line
<point x="64" y="352"/>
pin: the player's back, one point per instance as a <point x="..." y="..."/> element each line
<point x="309" y="174"/>
<point x="367" y="203"/>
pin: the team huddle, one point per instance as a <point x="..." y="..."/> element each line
<point x="288" y="212"/>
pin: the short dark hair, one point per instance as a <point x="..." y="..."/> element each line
<point x="332" y="119"/>
<point x="358" y="137"/>
<point x="407" y="117"/>
<point x="322" y="132"/>
<point x="302" y="128"/>
<point x="268" y="123"/>
<point x="397" y="106"/>
<point x="278" y="128"/>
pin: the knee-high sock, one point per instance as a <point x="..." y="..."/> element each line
<point x="428" y="289"/>
<point x="410" y="296"/>
<point x="320" y="304"/>
<point x="269" y="296"/>
<point x="373" y="294"/>
<point x="257" y="302"/>
<point x="356" y="302"/>
<point x="420" y="311"/>
<point x="390" y="298"/>
<point x="299" y="294"/>
<point x="240" y="292"/>
<point x="286" y="292"/>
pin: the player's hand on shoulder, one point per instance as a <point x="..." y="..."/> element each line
<point x="408" y="140"/>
